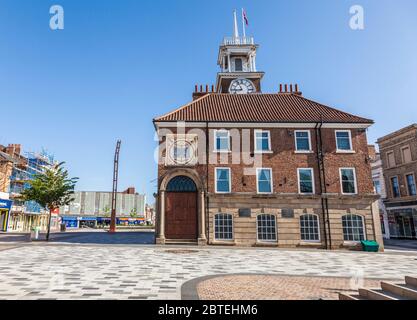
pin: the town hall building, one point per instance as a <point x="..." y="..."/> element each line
<point x="241" y="167"/>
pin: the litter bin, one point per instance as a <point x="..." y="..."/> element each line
<point x="370" y="246"/>
<point x="34" y="234"/>
<point x="63" y="227"/>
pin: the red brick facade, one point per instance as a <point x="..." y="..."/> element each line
<point x="284" y="162"/>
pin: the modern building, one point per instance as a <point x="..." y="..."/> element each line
<point x="238" y="166"/>
<point x="379" y="185"/>
<point x="93" y="209"/>
<point x="399" y="160"/>
<point x="24" y="165"/>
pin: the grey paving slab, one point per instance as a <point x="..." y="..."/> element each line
<point x="146" y="272"/>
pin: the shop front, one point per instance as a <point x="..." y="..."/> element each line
<point x="5" y="207"/>
<point x="403" y="223"/>
<point x="126" y="222"/>
<point x="70" y="222"/>
<point x="24" y="222"/>
<point x="88" y="222"/>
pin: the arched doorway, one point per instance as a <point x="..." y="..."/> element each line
<point x="181" y="221"/>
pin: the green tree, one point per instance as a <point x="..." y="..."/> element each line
<point x="51" y="189"/>
<point x="133" y="213"/>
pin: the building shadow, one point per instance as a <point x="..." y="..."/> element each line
<point x="122" y="238"/>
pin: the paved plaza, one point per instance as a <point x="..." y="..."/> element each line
<point x="261" y="287"/>
<point x="87" y="266"/>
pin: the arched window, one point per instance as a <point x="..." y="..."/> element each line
<point x="238" y="64"/>
<point x="353" y="227"/>
<point x="181" y="184"/>
<point x="309" y="227"/>
<point x="266" y="225"/>
<point x="223" y="226"/>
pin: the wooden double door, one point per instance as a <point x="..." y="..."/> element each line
<point x="181" y="221"/>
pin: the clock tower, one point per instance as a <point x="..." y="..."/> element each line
<point x="237" y="61"/>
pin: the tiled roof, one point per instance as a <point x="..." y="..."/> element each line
<point x="267" y="108"/>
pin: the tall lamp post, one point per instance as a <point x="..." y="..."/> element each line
<point x="114" y="191"/>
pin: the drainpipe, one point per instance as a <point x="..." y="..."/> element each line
<point x="207" y="217"/>
<point x="323" y="186"/>
<point x="326" y="200"/>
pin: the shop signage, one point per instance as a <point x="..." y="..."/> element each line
<point x="5" y="204"/>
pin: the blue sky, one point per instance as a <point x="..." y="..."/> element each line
<point x="117" y="64"/>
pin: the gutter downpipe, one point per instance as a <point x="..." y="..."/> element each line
<point x="319" y="150"/>
<point x="326" y="200"/>
<point x="207" y="217"/>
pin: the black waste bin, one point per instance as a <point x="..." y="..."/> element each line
<point x="63" y="227"/>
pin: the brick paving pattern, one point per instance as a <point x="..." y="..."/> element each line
<point x="265" y="287"/>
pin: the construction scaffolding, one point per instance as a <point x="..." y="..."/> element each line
<point x="25" y="167"/>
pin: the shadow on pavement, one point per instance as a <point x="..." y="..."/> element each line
<point x="104" y="238"/>
<point x="406" y="245"/>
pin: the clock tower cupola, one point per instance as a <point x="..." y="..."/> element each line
<point x="237" y="61"/>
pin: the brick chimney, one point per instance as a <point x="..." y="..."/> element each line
<point x="130" y="190"/>
<point x="372" y="152"/>
<point x="13" y="149"/>
<point x="201" y="91"/>
<point x="285" y="88"/>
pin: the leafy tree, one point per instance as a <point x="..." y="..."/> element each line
<point x="51" y="189"/>
<point x="133" y="213"/>
<point x="106" y="210"/>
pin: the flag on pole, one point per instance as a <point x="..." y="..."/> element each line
<point x="245" y="17"/>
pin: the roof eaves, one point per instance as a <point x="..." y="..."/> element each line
<point x="161" y="118"/>
<point x="365" y="120"/>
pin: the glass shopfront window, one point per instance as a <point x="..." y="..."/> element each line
<point x="403" y="223"/>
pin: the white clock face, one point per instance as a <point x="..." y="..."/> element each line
<point x="242" y="86"/>
<point x="182" y="152"/>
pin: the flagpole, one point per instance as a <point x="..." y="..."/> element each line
<point x="244" y="26"/>
<point x="235" y="27"/>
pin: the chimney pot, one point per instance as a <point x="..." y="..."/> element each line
<point x="291" y="88"/>
<point x="286" y="88"/>
<point x="296" y="87"/>
<point x="280" y="87"/>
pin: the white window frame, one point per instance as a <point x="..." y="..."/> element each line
<point x="233" y="227"/>
<point x="269" y="141"/>
<point x="350" y="142"/>
<point x="363" y="228"/>
<point x="318" y="227"/>
<point x="309" y="142"/>
<point x="215" y="141"/>
<point x="341" y="181"/>
<point x="257" y="181"/>
<point x="230" y="179"/>
<point x="312" y="178"/>
<point x="276" y="228"/>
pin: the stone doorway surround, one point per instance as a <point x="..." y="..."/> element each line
<point x="161" y="204"/>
